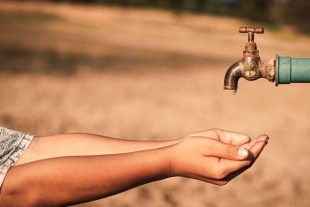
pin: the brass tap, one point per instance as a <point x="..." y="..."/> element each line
<point x="250" y="67"/>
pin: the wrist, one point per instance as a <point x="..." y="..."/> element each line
<point x="165" y="161"/>
<point x="172" y="161"/>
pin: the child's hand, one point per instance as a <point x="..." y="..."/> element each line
<point x="214" y="156"/>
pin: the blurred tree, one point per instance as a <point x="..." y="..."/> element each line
<point x="177" y="5"/>
<point x="257" y="10"/>
<point x="201" y="5"/>
<point x="297" y="13"/>
<point x="271" y="11"/>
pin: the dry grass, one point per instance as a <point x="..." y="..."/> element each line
<point x="143" y="74"/>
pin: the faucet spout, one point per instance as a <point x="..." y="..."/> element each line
<point x="232" y="76"/>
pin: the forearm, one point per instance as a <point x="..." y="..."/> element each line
<point x="85" y="144"/>
<point x="70" y="180"/>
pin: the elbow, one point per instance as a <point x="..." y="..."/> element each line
<point x="17" y="190"/>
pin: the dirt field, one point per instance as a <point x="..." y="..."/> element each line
<point x="144" y="74"/>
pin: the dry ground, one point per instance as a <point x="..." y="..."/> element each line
<point x="144" y="74"/>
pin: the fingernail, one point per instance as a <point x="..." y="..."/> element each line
<point x="266" y="138"/>
<point x="263" y="138"/>
<point x="242" y="152"/>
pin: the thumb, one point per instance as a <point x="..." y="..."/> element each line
<point x="227" y="151"/>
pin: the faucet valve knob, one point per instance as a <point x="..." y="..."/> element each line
<point x="251" y="31"/>
<point x="258" y="30"/>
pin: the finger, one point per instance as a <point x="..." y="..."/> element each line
<point x="226" y="151"/>
<point x="258" y="146"/>
<point x="238" y="172"/>
<point x="231" y="166"/>
<point x="224" y="136"/>
<point x="233" y="138"/>
<point x="249" y="145"/>
<point x="262" y="137"/>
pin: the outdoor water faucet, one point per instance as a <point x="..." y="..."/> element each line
<point x="282" y="70"/>
<point x="250" y="67"/>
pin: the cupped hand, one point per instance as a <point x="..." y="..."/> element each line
<point x="215" y="156"/>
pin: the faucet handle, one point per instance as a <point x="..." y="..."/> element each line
<point x="251" y="31"/>
<point x="258" y="30"/>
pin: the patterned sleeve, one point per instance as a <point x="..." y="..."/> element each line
<point x="12" y="146"/>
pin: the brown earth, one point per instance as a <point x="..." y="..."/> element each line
<point x="150" y="75"/>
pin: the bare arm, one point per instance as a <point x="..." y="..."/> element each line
<point x="85" y="144"/>
<point x="70" y="180"/>
<point x="211" y="156"/>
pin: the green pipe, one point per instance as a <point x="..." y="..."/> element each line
<point x="292" y="70"/>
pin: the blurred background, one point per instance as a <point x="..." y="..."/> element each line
<point x="154" y="70"/>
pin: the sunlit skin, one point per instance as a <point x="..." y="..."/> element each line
<point x="62" y="170"/>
